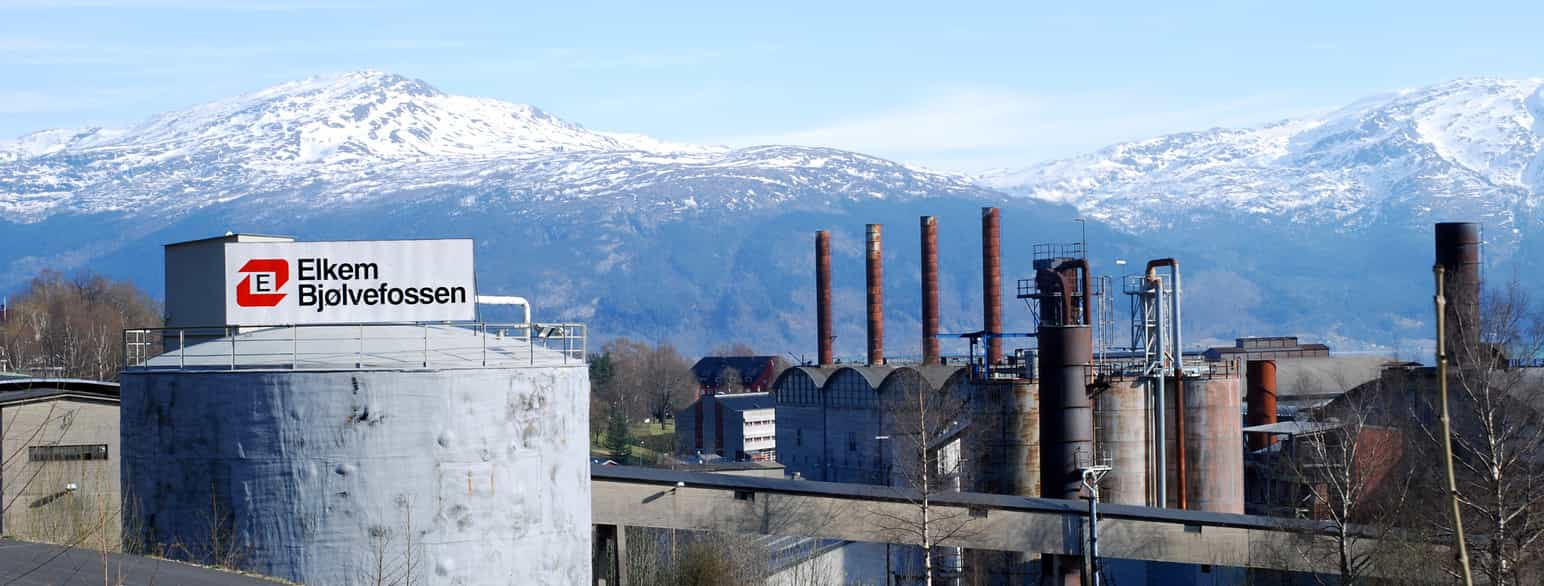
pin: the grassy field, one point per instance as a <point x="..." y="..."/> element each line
<point x="649" y="442"/>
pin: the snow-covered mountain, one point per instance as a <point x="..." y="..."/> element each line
<point x="1318" y="227"/>
<point x="1467" y="149"/>
<point x="640" y="236"/>
<point x="367" y="134"/>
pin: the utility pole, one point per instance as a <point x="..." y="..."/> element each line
<point x="1447" y="430"/>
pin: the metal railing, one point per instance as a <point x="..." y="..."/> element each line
<point x="357" y="346"/>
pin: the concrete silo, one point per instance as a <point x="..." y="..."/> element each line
<point x="348" y="454"/>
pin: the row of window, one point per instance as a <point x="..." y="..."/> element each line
<point x="67" y="453"/>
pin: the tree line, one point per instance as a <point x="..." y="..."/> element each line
<point x="72" y="326"/>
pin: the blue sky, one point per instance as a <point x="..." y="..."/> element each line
<point x="950" y="85"/>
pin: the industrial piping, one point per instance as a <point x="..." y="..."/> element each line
<point x="1177" y="351"/>
<point x="1261" y="397"/>
<point x="930" y="351"/>
<point x="992" y="284"/>
<point x="876" y="296"/>
<point x="823" y="297"/>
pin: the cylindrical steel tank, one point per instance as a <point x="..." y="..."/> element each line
<point x="1214" y="445"/>
<point x="1012" y="411"/>
<point x="314" y="468"/>
<point x="1121" y="433"/>
<point x="930" y="353"/>
<point x="1066" y="414"/>
<point x="823" y="297"/>
<point x="1261" y="400"/>
<point x="876" y="294"/>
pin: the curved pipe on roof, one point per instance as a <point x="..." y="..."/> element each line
<point x="1179" y="373"/>
<point x="507" y="300"/>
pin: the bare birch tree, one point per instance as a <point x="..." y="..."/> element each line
<point x="930" y="431"/>
<point x="1497" y="437"/>
<point x="1351" y="474"/>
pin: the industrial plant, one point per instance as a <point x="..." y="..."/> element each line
<point x="379" y="441"/>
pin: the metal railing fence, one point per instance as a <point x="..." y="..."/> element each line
<point x="358" y="346"/>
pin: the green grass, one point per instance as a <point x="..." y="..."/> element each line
<point x="649" y="442"/>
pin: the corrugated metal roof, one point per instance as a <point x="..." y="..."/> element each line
<point x="1326" y="376"/>
<point x="874" y="375"/>
<point x="938" y="375"/>
<point x="816" y="374"/>
<point x="1294" y="427"/>
<point x="25" y="390"/>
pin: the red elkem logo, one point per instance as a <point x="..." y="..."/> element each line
<point x="261" y="289"/>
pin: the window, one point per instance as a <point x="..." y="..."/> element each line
<point x="798" y="437"/>
<point x="67" y="453"/>
<point x="852" y="441"/>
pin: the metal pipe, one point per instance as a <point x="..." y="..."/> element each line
<point x="876" y="294"/>
<point x="1078" y="263"/>
<point x="1174" y="304"/>
<point x="930" y="351"/>
<point x="823" y="297"/>
<point x="1261" y="396"/>
<point x="507" y="300"/>
<point x="1177" y="352"/>
<point x="992" y="284"/>
<point x="1447" y="432"/>
<point x="1161" y="442"/>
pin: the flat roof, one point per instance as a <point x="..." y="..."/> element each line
<point x="367" y="347"/>
<point x="237" y="237"/>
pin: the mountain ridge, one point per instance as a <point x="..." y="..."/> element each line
<point x="1481" y="138"/>
<point x="706" y="244"/>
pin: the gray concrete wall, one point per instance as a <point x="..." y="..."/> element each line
<point x="37" y="504"/>
<point x="472" y="476"/>
<point x="801" y="452"/>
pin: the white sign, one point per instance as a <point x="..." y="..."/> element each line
<point x="274" y="283"/>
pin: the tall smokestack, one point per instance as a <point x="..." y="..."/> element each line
<point x="929" y="290"/>
<point x="823" y="296"/>
<point x="1261" y="399"/>
<point x="991" y="284"/>
<point x="1458" y="251"/>
<point x="876" y="296"/>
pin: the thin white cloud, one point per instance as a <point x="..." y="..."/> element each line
<point x="973" y="129"/>
<point x="198" y="5"/>
<point x="37" y="51"/>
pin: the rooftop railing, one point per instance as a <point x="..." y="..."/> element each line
<point x="355" y="346"/>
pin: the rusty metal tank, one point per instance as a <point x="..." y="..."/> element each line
<point x="1066" y="414"/>
<point x="1213" y="452"/>
<point x="1012" y="466"/>
<point x="1122" y="435"/>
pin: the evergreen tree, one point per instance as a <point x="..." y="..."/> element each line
<point x="619" y="439"/>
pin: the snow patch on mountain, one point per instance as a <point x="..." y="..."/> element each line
<point x="1471" y="146"/>
<point x="361" y="136"/>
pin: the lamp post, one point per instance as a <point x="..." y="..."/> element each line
<point x="675" y="505"/>
<point x="884" y="469"/>
<point x="1091" y="477"/>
